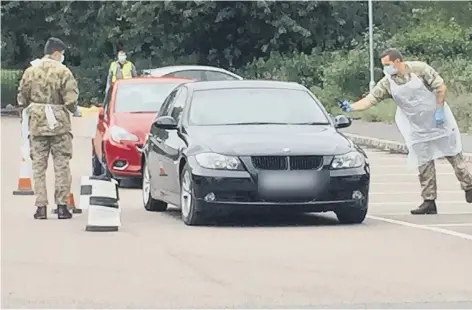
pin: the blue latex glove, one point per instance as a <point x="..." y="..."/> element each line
<point x="344" y="105"/>
<point x="77" y="113"/>
<point x="439" y="117"/>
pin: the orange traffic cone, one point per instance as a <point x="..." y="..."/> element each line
<point x="70" y="205"/>
<point x="24" y="181"/>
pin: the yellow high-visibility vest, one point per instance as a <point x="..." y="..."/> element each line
<point x="125" y="70"/>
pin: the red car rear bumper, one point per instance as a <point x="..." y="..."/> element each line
<point x="123" y="159"/>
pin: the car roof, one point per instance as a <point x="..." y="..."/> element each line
<point x="170" y="69"/>
<point x="152" y="79"/>
<point x="208" y="85"/>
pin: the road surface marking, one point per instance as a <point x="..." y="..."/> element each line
<point x="413" y="192"/>
<point x="398" y="158"/>
<point x="450" y="225"/>
<point x="386" y="157"/>
<point x="384" y="174"/>
<point x="411" y="169"/>
<point x="408" y="213"/>
<point x="423" y="227"/>
<point x="462" y="202"/>
<point x="396" y="183"/>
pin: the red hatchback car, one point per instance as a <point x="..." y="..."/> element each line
<point x="124" y="121"/>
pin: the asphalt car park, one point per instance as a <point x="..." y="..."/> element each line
<point x="395" y="190"/>
<point x="391" y="260"/>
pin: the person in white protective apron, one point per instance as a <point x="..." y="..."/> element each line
<point x="20" y="99"/>
<point x="423" y="118"/>
<point x="49" y="92"/>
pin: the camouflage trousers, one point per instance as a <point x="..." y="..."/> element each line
<point x="60" y="147"/>
<point x="427" y="176"/>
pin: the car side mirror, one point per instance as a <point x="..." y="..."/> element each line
<point x="342" y="121"/>
<point x="165" y="122"/>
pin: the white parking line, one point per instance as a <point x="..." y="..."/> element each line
<point x="410" y="174"/>
<point x="397" y="158"/>
<point x="385" y="157"/>
<point x="406" y="167"/>
<point x="401" y="203"/>
<point x="395" y="183"/>
<point x="450" y="225"/>
<point x="409" y="214"/>
<point x="423" y="227"/>
<point x="412" y="192"/>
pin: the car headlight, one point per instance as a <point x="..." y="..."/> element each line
<point x="348" y="160"/>
<point x="218" y="161"/>
<point x="119" y="134"/>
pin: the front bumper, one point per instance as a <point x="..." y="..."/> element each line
<point x="123" y="159"/>
<point x="239" y="189"/>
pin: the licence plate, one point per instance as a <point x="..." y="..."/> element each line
<point x="288" y="183"/>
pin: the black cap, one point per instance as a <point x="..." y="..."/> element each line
<point x="54" y="45"/>
<point x="120" y="47"/>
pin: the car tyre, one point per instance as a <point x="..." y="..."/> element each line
<point x="190" y="215"/>
<point x="107" y="172"/>
<point x="97" y="169"/>
<point x="150" y="204"/>
<point x="351" y="215"/>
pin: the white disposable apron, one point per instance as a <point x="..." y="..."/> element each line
<point x="51" y="119"/>
<point x="416" y="107"/>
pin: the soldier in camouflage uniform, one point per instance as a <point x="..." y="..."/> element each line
<point x="49" y="91"/>
<point x="424" y="119"/>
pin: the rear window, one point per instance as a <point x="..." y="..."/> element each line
<point x="219" y="76"/>
<point x="142" y="97"/>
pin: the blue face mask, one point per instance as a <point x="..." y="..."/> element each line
<point x="390" y="70"/>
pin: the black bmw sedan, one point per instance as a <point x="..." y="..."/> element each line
<point x="252" y="144"/>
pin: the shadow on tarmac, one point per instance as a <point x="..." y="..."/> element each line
<point x="235" y="218"/>
<point x="265" y="219"/>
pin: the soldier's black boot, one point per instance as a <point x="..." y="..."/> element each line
<point x="468" y="196"/>
<point x="63" y="213"/>
<point x="41" y="213"/>
<point x="427" y="207"/>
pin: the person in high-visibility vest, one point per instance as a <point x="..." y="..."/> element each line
<point x="120" y="69"/>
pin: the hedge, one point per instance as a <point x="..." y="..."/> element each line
<point x="9" y="86"/>
<point x="339" y="74"/>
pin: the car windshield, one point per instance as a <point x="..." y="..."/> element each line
<point x="245" y="106"/>
<point x="142" y="97"/>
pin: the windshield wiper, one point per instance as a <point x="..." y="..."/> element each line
<point x="275" y="123"/>
<point x="311" y="123"/>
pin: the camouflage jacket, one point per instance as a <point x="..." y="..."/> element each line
<point x="48" y="82"/>
<point x="430" y="77"/>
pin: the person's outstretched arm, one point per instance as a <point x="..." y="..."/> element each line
<point x="379" y="93"/>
